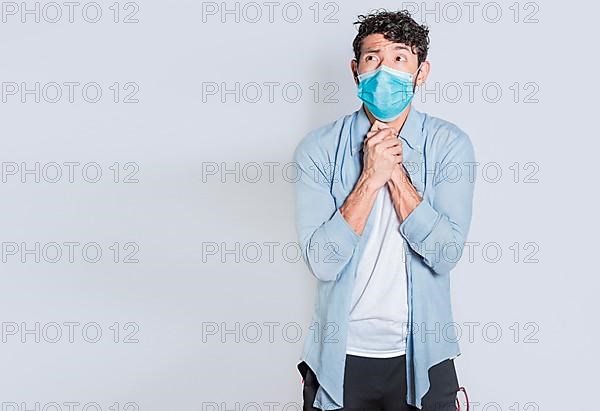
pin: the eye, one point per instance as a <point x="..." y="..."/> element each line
<point x="371" y="58"/>
<point x="401" y="58"/>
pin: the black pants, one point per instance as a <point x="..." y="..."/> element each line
<point x="372" y="384"/>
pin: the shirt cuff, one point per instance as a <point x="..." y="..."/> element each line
<point x="419" y="223"/>
<point x="342" y="234"/>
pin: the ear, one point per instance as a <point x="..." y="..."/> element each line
<point x="354" y="68"/>
<point x="423" y="73"/>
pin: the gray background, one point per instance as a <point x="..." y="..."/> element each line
<point x="544" y="358"/>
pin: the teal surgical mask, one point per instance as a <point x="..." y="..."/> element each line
<point x="386" y="92"/>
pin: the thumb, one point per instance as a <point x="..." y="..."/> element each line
<point x="378" y="125"/>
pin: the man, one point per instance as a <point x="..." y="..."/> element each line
<point x="383" y="208"/>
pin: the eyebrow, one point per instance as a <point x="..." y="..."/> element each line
<point x="372" y="50"/>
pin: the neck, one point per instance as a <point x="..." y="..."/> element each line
<point x="397" y="123"/>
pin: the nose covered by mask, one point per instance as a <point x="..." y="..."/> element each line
<point x="386" y="91"/>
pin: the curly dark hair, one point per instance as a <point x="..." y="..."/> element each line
<point x="396" y="26"/>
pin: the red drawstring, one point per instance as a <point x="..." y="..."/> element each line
<point x="466" y="398"/>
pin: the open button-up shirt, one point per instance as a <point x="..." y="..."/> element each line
<point x="440" y="162"/>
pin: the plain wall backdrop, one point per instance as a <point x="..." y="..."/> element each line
<point x="198" y="294"/>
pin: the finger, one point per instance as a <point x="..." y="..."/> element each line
<point x="378" y="125"/>
<point x="398" y="157"/>
<point x="392" y="135"/>
<point x="374" y="140"/>
<point x="371" y="133"/>
<point x="394" y="150"/>
<point x="392" y="142"/>
<point x="381" y="135"/>
<point x="383" y="127"/>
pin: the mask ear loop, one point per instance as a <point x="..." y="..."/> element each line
<point x="416" y="75"/>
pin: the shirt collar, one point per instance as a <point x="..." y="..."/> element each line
<point x="411" y="132"/>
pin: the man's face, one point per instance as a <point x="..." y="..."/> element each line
<point x="377" y="50"/>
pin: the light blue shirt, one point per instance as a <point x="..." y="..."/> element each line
<point x="440" y="160"/>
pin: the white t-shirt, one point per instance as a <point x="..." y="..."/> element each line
<point x="378" y="322"/>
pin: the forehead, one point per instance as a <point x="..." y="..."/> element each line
<point x="379" y="42"/>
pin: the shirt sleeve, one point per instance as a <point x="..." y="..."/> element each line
<point x="326" y="239"/>
<point x="437" y="228"/>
